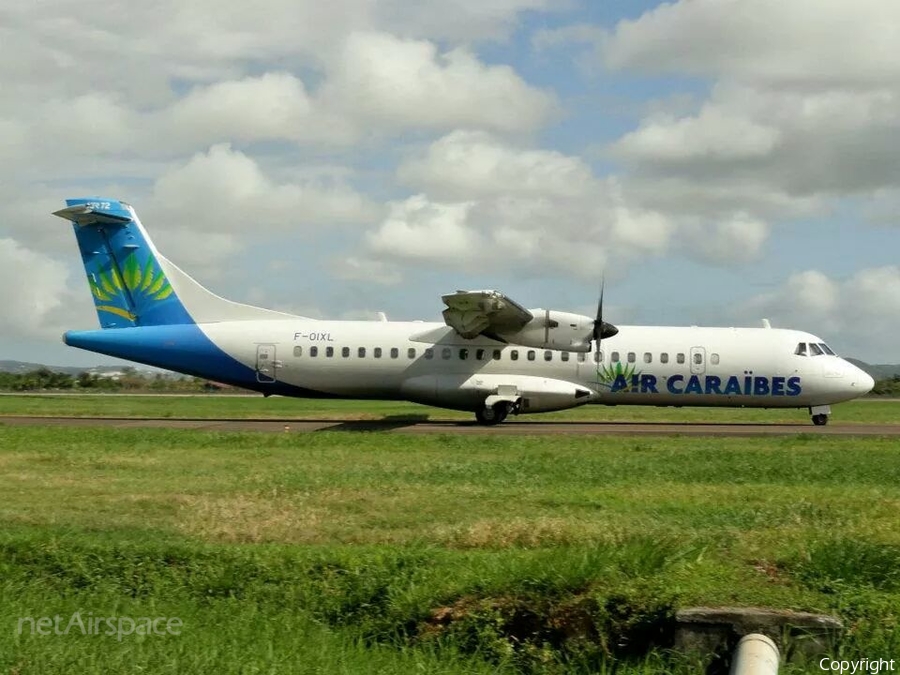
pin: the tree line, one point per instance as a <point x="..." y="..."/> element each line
<point x="44" y="379"/>
<point x="887" y="387"/>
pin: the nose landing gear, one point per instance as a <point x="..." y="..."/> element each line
<point x="819" y="414"/>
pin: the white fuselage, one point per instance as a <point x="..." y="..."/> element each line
<point x="643" y="365"/>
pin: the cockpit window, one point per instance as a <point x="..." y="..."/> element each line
<point x="814" y="349"/>
<point x="801" y="349"/>
<point x="828" y="350"/>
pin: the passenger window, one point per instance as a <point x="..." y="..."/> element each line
<point x="514" y="355"/>
<point x="648" y="357"/>
<point x="714" y="359"/>
<point x="827" y="349"/>
<point x="298" y="351"/>
<point x="814" y="349"/>
<point x="446" y="352"/>
<point x="329" y="351"/>
<point x="498" y="354"/>
<point x="345" y="352"/>
<point x="429" y="353"/>
<point x="377" y="351"/>
<point x="698" y="358"/>
<point x="664" y="357"/>
<point x="564" y="356"/>
<point x="680" y="358"/>
<point x="580" y="357"/>
<point x="614" y="357"/>
<point x="531" y="355"/>
<point x="548" y="355"/>
<point x="463" y="354"/>
<point x="479" y="355"/>
<point x="632" y="357"/>
<point x="411" y="352"/>
<point x="394" y="352"/>
<point x="801" y="349"/>
<point x="361" y="352"/>
<point x="313" y="351"/>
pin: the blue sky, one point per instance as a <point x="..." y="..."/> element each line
<point x="719" y="161"/>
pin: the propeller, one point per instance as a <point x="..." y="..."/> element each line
<point x="601" y="328"/>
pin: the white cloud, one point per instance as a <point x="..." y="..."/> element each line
<point x="712" y="135"/>
<point x="525" y="235"/>
<point x="463" y="20"/>
<point x="803" y="114"/>
<point x="386" y="83"/>
<point x="38" y="302"/>
<point x="474" y="164"/>
<point x="270" y="107"/>
<point x="227" y="190"/>
<point x="804" y="143"/>
<point x="422" y="230"/>
<point x="807" y="43"/>
<point x="862" y="310"/>
<point x="806" y="101"/>
<point x="356" y="268"/>
<point x="737" y="239"/>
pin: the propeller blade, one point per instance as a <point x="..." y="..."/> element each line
<point x="601" y="328"/>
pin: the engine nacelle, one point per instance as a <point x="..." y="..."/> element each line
<point x="469" y="392"/>
<point x="550" y="329"/>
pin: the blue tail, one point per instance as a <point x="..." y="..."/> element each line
<point x="128" y="284"/>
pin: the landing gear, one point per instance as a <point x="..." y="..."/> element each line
<point x="819" y="414"/>
<point x="492" y="415"/>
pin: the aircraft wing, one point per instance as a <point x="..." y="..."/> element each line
<point x="472" y="313"/>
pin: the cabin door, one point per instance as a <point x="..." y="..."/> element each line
<point x="265" y="363"/>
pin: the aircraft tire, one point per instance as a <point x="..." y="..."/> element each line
<point x="820" y="420"/>
<point x="491" y="416"/>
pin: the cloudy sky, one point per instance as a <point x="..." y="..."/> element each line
<point x="719" y="161"/>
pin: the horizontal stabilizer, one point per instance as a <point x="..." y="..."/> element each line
<point x="84" y="214"/>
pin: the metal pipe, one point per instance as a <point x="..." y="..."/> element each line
<point x="755" y="654"/>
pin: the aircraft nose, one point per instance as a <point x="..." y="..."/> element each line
<point x="865" y="382"/>
<point x="860" y="381"/>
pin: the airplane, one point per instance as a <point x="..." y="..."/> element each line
<point x="490" y="356"/>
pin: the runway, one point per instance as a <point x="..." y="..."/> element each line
<point x="425" y="426"/>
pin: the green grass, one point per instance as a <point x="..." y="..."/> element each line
<point x="375" y="553"/>
<point x="866" y="411"/>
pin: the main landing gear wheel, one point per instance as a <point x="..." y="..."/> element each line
<point x="820" y="420"/>
<point x="492" y="416"/>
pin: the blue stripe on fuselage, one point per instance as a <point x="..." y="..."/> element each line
<point x="184" y="348"/>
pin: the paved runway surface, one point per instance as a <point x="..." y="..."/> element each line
<point x="423" y="426"/>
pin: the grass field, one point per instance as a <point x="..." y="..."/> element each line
<point x="225" y="406"/>
<point x="377" y="553"/>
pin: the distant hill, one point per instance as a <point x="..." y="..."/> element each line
<point x="879" y="371"/>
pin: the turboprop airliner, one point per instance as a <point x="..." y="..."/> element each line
<point x="491" y="356"/>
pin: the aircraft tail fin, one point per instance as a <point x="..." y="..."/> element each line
<point x="131" y="283"/>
